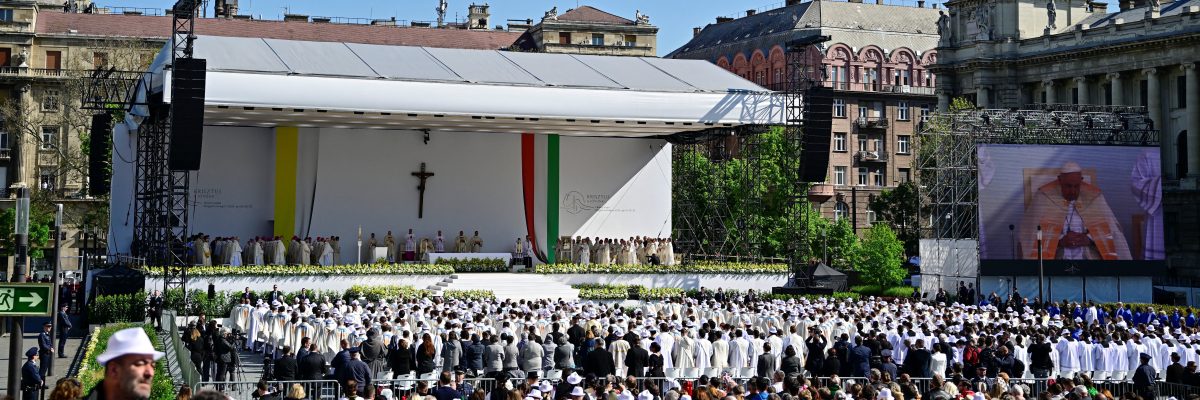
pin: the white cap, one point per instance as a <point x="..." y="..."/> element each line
<point x="574" y="378"/>
<point x="128" y="341"/>
<point x="645" y="395"/>
<point x="577" y="391"/>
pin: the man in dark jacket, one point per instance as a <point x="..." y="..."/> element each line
<point x="64" y="326"/>
<point x="341" y="357"/>
<point x="373" y="352"/>
<point x="312" y="367"/>
<point x="1175" y="372"/>
<point x="766" y="363"/>
<point x="357" y="370"/>
<point x="600" y="361"/>
<point x="575" y="332"/>
<point x="31" y="380"/>
<point x="286" y="367"/>
<point x="472" y="355"/>
<point x="1040" y="361"/>
<point x="816" y="351"/>
<point x="916" y="363"/>
<point x="859" y="358"/>
<point x="224" y="355"/>
<point x="637" y="359"/>
<point x="45" y="349"/>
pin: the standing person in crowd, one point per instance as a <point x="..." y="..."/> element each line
<point x="64" y="327"/>
<point x="155" y="307"/>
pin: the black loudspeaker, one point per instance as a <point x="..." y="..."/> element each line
<point x="187" y="114"/>
<point x="818" y="131"/>
<point x="100" y="155"/>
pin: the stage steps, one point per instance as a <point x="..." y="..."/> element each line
<point x="509" y="285"/>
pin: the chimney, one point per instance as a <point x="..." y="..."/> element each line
<point x="696" y="31"/>
<point x="721" y="20"/>
<point x="295" y="17"/>
<point x="750" y="13"/>
<point x="920" y="3"/>
<point x="791" y="3"/>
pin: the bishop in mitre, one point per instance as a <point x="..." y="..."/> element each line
<point x="1076" y="221"/>
<point x="233" y="247"/>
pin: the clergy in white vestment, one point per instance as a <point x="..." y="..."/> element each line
<point x="666" y="341"/>
<point x="390" y="242"/>
<point x="368" y="251"/>
<point x="476" y="243"/>
<point x="326" y="256"/>
<point x="619" y="349"/>
<point x="305" y="252"/>
<point x="335" y="245"/>
<point x="410" y="247"/>
<point x="603" y="253"/>
<point x="685" y="350"/>
<point x="720" y="356"/>
<point x="439" y="243"/>
<point x="585" y="252"/>
<point x="234" y="248"/>
<point x="704" y="353"/>
<point x="460" y="243"/>
<point x="277" y="248"/>
<point x="1147" y="189"/>
<point x="205" y="252"/>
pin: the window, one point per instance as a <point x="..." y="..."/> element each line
<point x="597" y="39"/>
<point x="924" y="110"/>
<point x="840" y="210"/>
<point x="929" y="79"/>
<point x="99" y="59"/>
<point x="839" y="175"/>
<point x="54" y="60"/>
<point x="4" y="140"/>
<point x="46" y="179"/>
<point x="49" y="137"/>
<point x="905" y="77"/>
<point x="839" y="142"/>
<point x="1145" y="93"/>
<point x="902" y="111"/>
<point x="761" y="78"/>
<point x="902" y="144"/>
<point x="870" y="75"/>
<point x="870" y="217"/>
<point x="6" y="15"/>
<point x="631" y="40"/>
<point x="564" y="38"/>
<point x="1181" y="91"/>
<point x="862" y="142"/>
<point x="839" y="108"/>
<point x="905" y="175"/>
<point x="862" y="177"/>
<point x="1074" y="95"/>
<point x="879" y="181"/>
<point x="877" y="145"/>
<point x="50" y="100"/>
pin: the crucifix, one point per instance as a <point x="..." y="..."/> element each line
<point x="422" y="175"/>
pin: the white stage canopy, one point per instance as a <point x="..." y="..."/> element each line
<point x="271" y="82"/>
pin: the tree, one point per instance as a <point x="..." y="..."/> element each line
<point x="881" y="257"/>
<point x="41" y="221"/>
<point x="900" y="208"/>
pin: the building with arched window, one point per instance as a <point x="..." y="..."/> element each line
<point x="876" y="65"/>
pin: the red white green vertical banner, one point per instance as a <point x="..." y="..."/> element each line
<point x="544" y="244"/>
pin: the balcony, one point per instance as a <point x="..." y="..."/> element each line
<point x="5" y="154"/>
<point x="871" y="156"/>
<point x="879" y="122"/>
<point x="33" y="72"/>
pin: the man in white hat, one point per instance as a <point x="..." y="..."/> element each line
<point x="1076" y="221"/>
<point x="128" y="367"/>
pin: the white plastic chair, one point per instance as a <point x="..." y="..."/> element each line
<point x="428" y="376"/>
<point x="691" y="373"/>
<point x="671" y="372"/>
<point x="384" y="375"/>
<point x="745" y="372"/>
<point x="712" y="371"/>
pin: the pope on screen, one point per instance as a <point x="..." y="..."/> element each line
<point x="1076" y="221"/>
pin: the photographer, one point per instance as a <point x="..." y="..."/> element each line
<point x="207" y="338"/>
<point x="223" y="354"/>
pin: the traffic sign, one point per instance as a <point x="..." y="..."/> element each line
<point x="26" y="299"/>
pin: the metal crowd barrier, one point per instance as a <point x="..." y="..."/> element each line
<point x="315" y="390"/>
<point x="187" y="370"/>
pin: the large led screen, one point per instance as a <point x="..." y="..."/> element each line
<point x="1097" y="207"/>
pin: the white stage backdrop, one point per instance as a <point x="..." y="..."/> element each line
<point x="610" y="187"/>
<point x="629" y="196"/>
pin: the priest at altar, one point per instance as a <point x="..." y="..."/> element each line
<point x="410" y="247"/>
<point x="390" y="242"/>
<point x="476" y="243"/>
<point x="460" y="243"/>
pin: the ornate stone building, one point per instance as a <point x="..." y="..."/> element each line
<point x="875" y="64"/>
<point x="587" y="30"/>
<point x="1013" y="53"/>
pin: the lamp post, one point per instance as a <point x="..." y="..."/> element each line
<point x="58" y="217"/>
<point x="21" y="234"/>
<point x="1041" y="271"/>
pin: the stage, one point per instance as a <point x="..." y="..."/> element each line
<point x="318" y="139"/>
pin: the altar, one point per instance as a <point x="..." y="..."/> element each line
<point x="432" y="258"/>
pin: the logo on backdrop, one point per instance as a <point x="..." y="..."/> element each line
<point x="575" y="202"/>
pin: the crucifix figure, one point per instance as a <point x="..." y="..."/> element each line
<point x="422" y="175"/>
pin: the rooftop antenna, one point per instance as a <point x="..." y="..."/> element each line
<point x="441" y="12"/>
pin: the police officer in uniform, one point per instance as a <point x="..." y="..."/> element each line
<point x="31" y="379"/>
<point x="45" y="348"/>
<point x="1143" y="378"/>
